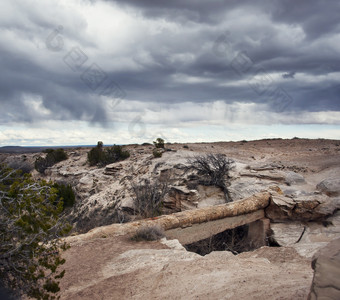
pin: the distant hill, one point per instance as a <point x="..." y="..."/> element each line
<point x="20" y="149"/>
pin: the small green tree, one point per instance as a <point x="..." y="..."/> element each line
<point x="31" y="225"/>
<point x="65" y="194"/>
<point x="157" y="153"/>
<point x="159" y="143"/>
<point x="102" y="157"/>
<point x="96" y="154"/>
<point x="115" y="153"/>
<point x="52" y="157"/>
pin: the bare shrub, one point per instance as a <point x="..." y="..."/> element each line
<point x="148" y="233"/>
<point x="148" y="197"/>
<point x="118" y="215"/>
<point x="213" y="170"/>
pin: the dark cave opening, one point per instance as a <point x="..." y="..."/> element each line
<point x="234" y="240"/>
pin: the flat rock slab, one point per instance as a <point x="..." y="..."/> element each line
<point x="122" y="269"/>
<point x="326" y="265"/>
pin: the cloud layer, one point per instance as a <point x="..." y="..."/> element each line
<point x="174" y="64"/>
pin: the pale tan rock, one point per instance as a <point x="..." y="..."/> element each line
<point x="302" y="208"/>
<point x="293" y="178"/>
<point x="113" y="169"/>
<point x="330" y="187"/>
<point x="287" y="234"/>
<point x="268" y="175"/>
<point x="326" y="280"/>
<point x="280" y="207"/>
<point x="121" y="269"/>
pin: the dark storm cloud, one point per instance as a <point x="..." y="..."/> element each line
<point x="314" y="52"/>
<point x="210" y="12"/>
<point x="65" y="96"/>
<point x="317" y="17"/>
<point x="177" y="62"/>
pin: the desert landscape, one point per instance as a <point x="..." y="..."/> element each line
<point x="169" y="149"/>
<point x="301" y="217"/>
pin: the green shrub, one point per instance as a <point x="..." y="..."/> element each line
<point x="116" y="153"/>
<point x="40" y="164"/>
<point x="100" y="156"/>
<point x="157" y="153"/>
<point x="185" y="147"/>
<point x="148" y="233"/>
<point x="31" y="226"/>
<point x="96" y="154"/>
<point x="159" y="143"/>
<point x="48" y="150"/>
<point x="65" y="194"/>
<point x="52" y="157"/>
<point x="57" y="155"/>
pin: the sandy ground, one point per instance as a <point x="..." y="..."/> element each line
<point x="118" y="268"/>
<point x="312" y="155"/>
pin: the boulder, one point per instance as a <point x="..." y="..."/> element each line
<point x="326" y="280"/>
<point x="286" y="234"/>
<point x="330" y="187"/>
<point x="280" y="208"/>
<point x="303" y="208"/>
<point x="293" y="178"/>
<point x="127" y="204"/>
<point x="180" y="197"/>
<point x="315" y="207"/>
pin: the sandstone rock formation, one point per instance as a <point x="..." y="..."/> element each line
<point x="302" y="208"/>
<point x="330" y="187"/>
<point x="326" y="280"/>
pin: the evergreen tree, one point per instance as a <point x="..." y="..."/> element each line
<point x="31" y="225"/>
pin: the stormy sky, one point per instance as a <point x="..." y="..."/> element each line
<point x="74" y="72"/>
